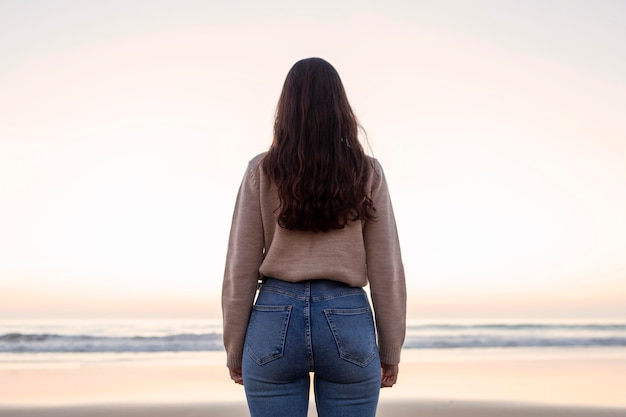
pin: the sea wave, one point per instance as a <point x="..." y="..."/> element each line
<point x="479" y="341"/>
<point x="32" y="343"/>
<point x="144" y="338"/>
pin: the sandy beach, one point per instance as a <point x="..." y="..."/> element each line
<point x="386" y="409"/>
<point x="451" y="383"/>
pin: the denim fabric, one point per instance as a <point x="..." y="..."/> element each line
<point x="317" y="326"/>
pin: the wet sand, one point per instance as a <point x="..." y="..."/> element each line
<point x="432" y="383"/>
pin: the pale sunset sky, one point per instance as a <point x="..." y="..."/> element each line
<point x="126" y="126"/>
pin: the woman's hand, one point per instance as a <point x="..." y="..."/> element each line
<point x="235" y="375"/>
<point x="389" y="375"/>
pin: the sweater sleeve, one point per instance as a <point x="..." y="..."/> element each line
<point x="243" y="258"/>
<point x="385" y="272"/>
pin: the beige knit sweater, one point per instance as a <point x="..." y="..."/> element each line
<point x="359" y="253"/>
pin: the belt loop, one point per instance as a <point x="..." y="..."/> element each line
<point x="259" y="284"/>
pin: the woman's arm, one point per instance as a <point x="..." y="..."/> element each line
<point x="244" y="256"/>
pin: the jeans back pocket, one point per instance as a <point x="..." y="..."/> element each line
<point x="353" y="330"/>
<point x="267" y="331"/>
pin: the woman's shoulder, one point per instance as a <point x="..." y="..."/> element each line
<point x="376" y="174"/>
<point x="256" y="161"/>
<point x="374" y="163"/>
<point x="254" y="170"/>
<point x="254" y="165"/>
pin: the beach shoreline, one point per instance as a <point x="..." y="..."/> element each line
<point x="444" y="383"/>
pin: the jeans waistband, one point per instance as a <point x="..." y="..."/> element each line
<point x="312" y="288"/>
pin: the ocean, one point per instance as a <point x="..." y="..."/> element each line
<point x="152" y="336"/>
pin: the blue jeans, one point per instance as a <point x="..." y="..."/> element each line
<point x="317" y="326"/>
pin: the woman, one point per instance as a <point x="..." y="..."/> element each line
<point x="314" y="223"/>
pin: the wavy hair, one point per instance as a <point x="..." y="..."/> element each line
<point x="316" y="160"/>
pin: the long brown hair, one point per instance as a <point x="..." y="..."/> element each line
<point x="316" y="160"/>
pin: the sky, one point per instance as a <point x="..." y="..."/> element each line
<point x="126" y="126"/>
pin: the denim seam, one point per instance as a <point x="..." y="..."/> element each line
<point x="283" y="292"/>
<point x="307" y="318"/>
<point x="337" y="295"/>
<point x="346" y="293"/>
